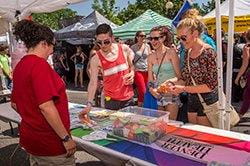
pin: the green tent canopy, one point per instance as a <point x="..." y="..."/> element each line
<point x="145" y="23"/>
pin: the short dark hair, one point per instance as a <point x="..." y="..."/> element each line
<point x="104" y="29"/>
<point x="31" y="33"/>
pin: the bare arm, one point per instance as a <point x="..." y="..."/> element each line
<point x="129" y="78"/>
<point x="245" y="63"/>
<point x="61" y="60"/>
<point x="72" y="58"/>
<point x="94" y="63"/>
<point x="176" y="63"/>
<point x="150" y="68"/>
<point x="51" y="114"/>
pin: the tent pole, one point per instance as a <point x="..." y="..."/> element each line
<point x="219" y="64"/>
<point x="229" y="62"/>
<point x="10" y="39"/>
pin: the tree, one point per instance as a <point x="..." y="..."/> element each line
<point x="107" y="8"/>
<point x="209" y="6"/>
<point x="140" y="6"/>
<point x="52" y="19"/>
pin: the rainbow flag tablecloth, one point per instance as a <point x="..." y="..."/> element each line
<point x="181" y="147"/>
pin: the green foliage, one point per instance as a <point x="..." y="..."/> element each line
<point x="140" y="6"/>
<point x="52" y="19"/>
<point x="206" y="8"/>
<point x="107" y="8"/>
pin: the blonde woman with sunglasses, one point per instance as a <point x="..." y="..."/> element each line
<point x="200" y="64"/>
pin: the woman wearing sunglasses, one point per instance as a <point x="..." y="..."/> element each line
<point x="199" y="74"/>
<point x="163" y="64"/>
<point x="141" y="50"/>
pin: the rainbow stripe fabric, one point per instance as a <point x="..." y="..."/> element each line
<point x="182" y="147"/>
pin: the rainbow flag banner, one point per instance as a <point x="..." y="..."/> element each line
<point x="181" y="147"/>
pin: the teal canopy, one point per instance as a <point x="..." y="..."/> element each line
<point x="145" y="23"/>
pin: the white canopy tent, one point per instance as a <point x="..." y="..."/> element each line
<point x="241" y="8"/>
<point x="228" y="8"/>
<point x="13" y="9"/>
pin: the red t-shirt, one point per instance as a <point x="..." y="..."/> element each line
<point x="34" y="83"/>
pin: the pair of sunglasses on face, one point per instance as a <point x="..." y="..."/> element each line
<point x="103" y="42"/>
<point x="156" y="38"/>
<point x="142" y="36"/>
<point x="182" y="38"/>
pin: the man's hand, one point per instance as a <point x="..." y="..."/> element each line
<point x="84" y="113"/>
<point x="129" y="78"/>
<point x="70" y="147"/>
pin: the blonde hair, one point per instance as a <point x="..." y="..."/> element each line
<point x="191" y="13"/>
<point x="192" y="23"/>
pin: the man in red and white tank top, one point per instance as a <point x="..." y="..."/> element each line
<point x="118" y="74"/>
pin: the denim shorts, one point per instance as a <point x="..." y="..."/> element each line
<point x="79" y="66"/>
<point x="194" y="104"/>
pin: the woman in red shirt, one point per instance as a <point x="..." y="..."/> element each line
<point x="39" y="97"/>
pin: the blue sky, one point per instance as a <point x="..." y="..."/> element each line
<point x="85" y="9"/>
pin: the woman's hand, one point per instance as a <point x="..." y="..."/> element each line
<point x="177" y="89"/>
<point x="154" y="92"/>
<point x="236" y="81"/>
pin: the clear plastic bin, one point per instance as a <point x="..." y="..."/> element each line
<point x="139" y="124"/>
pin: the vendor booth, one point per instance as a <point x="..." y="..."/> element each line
<point x="145" y="23"/>
<point x="83" y="32"/>
<point x="241" y="13"/>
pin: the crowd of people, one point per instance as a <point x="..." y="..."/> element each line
<point x="185" y="63"/>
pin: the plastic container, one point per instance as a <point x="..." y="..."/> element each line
<point x="139" y="124"/>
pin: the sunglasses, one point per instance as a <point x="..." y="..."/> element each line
<point x="142" y="36"/>
<point x="156" y="38"/>
<point x="183" y="38"/>
<point x="105" y="42"/>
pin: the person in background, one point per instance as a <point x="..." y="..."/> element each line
<point x="201" y="58"/>
<point x="39" y="96"/>
<point x="64" y="65"/>
<point x="18" y="53"/>
<point x="244" y="70"/>
<point x="5" y="66"/>
<point x="118" y="73"/>
<point x="141" y="50"/>
<point x="78" y="59"/>
<point x="163" y="64"/>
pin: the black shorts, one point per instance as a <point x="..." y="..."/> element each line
<point x="116" y="105"/>
<point x="194" y="104"/>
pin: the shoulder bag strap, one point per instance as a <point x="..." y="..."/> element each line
<point x="193" y="81"/>
<point x="161" y="64"/>
<point x="141" y="55"/>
